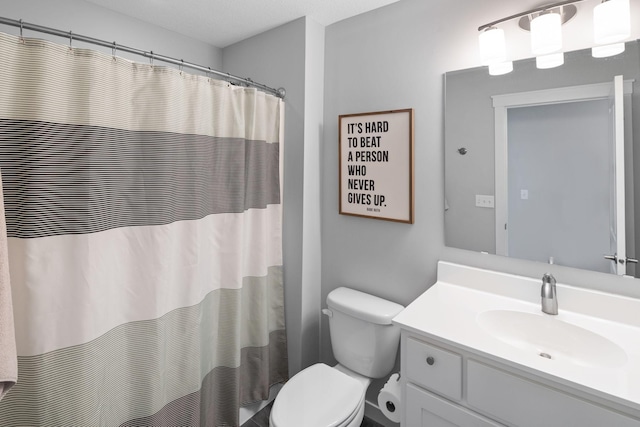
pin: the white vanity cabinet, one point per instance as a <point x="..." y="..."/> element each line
<point x="476" y="350"/>
<point x="432" y="386"/>
<point x="448" y="386"/>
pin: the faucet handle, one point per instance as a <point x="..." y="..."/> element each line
<point x="548" y="286"/>
<point x="548" y="278"/>
<point x="548" y="294"/>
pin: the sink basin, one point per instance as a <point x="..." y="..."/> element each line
<point x="551" y="338"/>
<point x="593" y="345"/>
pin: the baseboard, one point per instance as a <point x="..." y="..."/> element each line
<point x="247" y="412"/>
<point x="372" y="411"/>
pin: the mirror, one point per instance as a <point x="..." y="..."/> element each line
<point x="548" y="193"/>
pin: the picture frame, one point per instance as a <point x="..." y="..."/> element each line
<point x="376" y="165"/>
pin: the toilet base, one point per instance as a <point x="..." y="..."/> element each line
<point x="356" y="422"/>
<point x="325" y="381"/>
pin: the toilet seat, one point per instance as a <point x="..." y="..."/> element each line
<point x="318" y="396"/>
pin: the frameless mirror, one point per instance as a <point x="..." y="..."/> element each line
<point x="543" y="165"/>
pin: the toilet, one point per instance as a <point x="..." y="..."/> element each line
<point x="365" y="344"/>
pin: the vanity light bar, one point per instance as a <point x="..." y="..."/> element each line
<point x="532" y="12"/>
<point x="612" y="25"/>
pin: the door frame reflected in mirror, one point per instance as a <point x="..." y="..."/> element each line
<point x="590" y="92"/>
<point x="468" y="101"/>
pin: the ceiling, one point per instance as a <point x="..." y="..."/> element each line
<point x="224" y="22"/>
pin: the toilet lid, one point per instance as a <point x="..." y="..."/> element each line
<point x="318" y="396"/>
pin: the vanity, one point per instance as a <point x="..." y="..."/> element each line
<point x="476" y="350"/>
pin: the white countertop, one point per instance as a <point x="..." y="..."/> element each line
<point x="449" y="309"/>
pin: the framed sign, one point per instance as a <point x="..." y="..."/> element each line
<point x="376" y="165"/>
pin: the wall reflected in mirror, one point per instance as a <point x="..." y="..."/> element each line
<point x="548" y="194"/>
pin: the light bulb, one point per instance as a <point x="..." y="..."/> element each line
<point x="550" y="61"/>
<point x="611" y="22"/>
<point x="492" y="46"/>
<point x="546" y="34"/>
<point x="607" y="50"/>
<point x="500" y="68"/>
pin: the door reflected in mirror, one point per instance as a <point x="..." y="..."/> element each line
<point x="543" y="143"/>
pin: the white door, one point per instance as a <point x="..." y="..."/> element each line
<point x="618" y="251"/>
<point x="614" y="92"/>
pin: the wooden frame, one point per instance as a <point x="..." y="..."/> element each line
<point x="376" y="159"/>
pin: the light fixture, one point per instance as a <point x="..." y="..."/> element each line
<point x="551" y="60"/>
<point x="500" y="68"/>
<point x="607" y="50"/>
<point x="546" y="34"/>
<point x="492" y="46"/>
<point x="611" y="25"/>
<point x="611" y="22"/>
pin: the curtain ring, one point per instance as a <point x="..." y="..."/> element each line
<point x="70" y="40"/>
<point x="21" y="28"/>
<point x="208" y="74"/>
<point x="181" y="65"/>
<point x="151" y="58"/>
<point x="113" y="50"/>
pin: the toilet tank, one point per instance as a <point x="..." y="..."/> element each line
<point x="362" y="335"/>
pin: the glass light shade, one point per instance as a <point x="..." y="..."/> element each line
<point x="550" y="61"/>
<point x="611" y="22"/>
<point x="501" y="68"/>
<point x="607" y="50"/>
<point x="546" y="34"/>
<point x="492" y="46"/>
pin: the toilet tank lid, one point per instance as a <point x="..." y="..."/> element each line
<point x="363" y="306"/>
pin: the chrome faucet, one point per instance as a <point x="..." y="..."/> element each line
<point x="548" y="294"/>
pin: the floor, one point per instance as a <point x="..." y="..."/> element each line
<point x="261" y="419"/>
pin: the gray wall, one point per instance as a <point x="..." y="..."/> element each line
<point x="94" y="21"/>
<point x="380" y="61"/>
<point x="392" y="58"/>
<point x="312" y="236"/>
<point x="292" y="56"/>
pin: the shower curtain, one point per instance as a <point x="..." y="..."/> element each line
<point x="144" y="221"/>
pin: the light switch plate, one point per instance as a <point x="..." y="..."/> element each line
<point x="483" y="201"/>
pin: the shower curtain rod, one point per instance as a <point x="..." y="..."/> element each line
<point x="280" y="92"/>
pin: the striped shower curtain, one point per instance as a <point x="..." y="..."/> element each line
<point x="144" y="221"/>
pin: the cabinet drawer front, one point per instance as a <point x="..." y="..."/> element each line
<point x="434" y="368"/>
<point x="521" y="402"/>
<point x="427" y="410"/>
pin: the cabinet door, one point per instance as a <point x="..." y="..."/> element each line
<point x="520" y="402"/>
<point x="434" y="368"/>
<point x="424" y="409"/>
